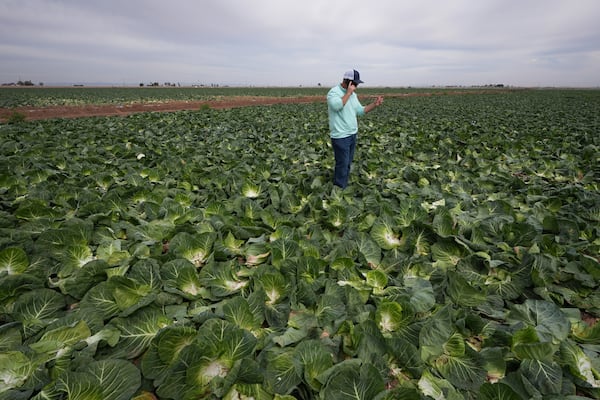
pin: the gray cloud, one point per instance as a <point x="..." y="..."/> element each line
<point x="275" y="42"/>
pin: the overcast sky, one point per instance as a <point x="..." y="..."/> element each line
<point x="306" y="42"/>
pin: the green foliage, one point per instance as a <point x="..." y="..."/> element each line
<point x="206" y="254"/>
<point x="15" y="117"/>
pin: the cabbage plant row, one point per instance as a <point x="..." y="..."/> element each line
<point x="205" y="254"/>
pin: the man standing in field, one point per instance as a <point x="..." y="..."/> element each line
<point x="343" y="108"/>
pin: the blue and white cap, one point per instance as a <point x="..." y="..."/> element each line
<point x="353" y="75"/>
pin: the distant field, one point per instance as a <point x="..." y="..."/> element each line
<point x="11" y="97"/>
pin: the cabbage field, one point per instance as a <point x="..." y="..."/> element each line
<point x="205" y="254"/>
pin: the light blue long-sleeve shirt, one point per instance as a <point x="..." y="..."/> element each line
<point x="342" y="118"/>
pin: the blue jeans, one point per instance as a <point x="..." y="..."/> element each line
<point x="343" y="151"/>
